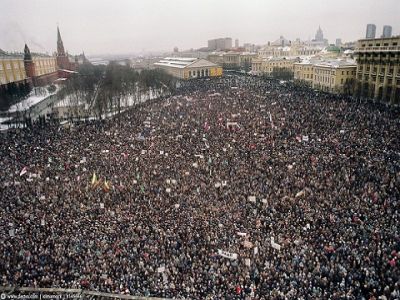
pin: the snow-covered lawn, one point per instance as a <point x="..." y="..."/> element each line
<point x="36" y="95"/>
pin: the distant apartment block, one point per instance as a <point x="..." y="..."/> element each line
<point x="233" y="60"/>
<point x="387" y="31"/>
<point x="220" y="44"/>
<point x="371" y="31"/>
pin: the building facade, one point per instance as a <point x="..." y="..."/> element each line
<point x="220" y="44"/>
<point x="189" y="68"/>
<point x="319" y="40"/>
<point x="40" y="70"/>
<point x="378" y="69"/>
<point x="304" y="72"/>
<point x="37" y="69"/>
<point x="336" y="77"/>
<point x="387" y="31"/>
<point x="371" y="31"/>
<point x="266" y="66"/>
<point x="333" y="76"/>
<point x="233" y="60"/>
<point x="12" y="69"/>
<point x="293" y="50"/>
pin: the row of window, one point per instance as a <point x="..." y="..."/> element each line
<point x="16" y="65"/>
<point x="378" y="55"/>
<point x="379" y="44"/>
<point x="324" y="79"/>
<point x="11" y="78"/>
<point x="375" y="69"/>
<point x="334" y="73"/>
<point x="381" y="79"/>
<point x="20" y="65"/>
<point x="199" y="73"/>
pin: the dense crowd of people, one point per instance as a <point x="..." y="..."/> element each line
<point x="233" y="188"/>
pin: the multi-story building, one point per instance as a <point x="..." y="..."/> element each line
<point x="293" y="50"/>
<point x="334" y="77"/>
<point x="319" y="40"/>
<point x="37" y="69"/>
<point x="266" y="66"/>
<point x="40" y="70"/>
<point x="188" y="68"/>
<point x="387" y="31"/>
<point x="220" y="44"/>
<point x="12" y="69"/>
<point x="378" y="69"/>
<point x="371" y="31"/>
<point x="304" y="71"/>
<point x="232" y="60"/>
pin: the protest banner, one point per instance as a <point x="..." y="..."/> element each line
<point x="226" y="254"/>
<point x="161" y="269"/>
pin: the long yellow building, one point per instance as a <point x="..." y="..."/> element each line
<point x="304" y="72"/>
<point x="44" y="65"/>
<point x="265" y="66"/>
<point x="188" y="68"/>
<point x="12" y="69"/>
<point x="334" y="77"/>
<point x="337" y="76"/>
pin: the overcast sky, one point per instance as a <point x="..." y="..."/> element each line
<point x="127" y="26"/>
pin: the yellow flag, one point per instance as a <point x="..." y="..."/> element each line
<point x="106" y="186"/>
<point x="94" y="179"/>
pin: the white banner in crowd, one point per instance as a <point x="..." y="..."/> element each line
<point x="161" y="269"/>
<point x="241" y="233"/>
<point x="252" y="199"/>
<point x="247" y="262"/>
<point x="226" y="254"/>
<point x="275" y="245"/>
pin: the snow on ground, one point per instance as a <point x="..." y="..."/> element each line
<point x="7" y="126"/>
<point x="36" y="95"/>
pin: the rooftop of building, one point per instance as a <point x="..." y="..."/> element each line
<point x="380" y="38"/>
<point x="183" y="62"/>
<point x="222" y="53"/>
<point x="20" y="55"/>
<point x="336" y="63"/>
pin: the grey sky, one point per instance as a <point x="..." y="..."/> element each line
<point x="126" y="26"/>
